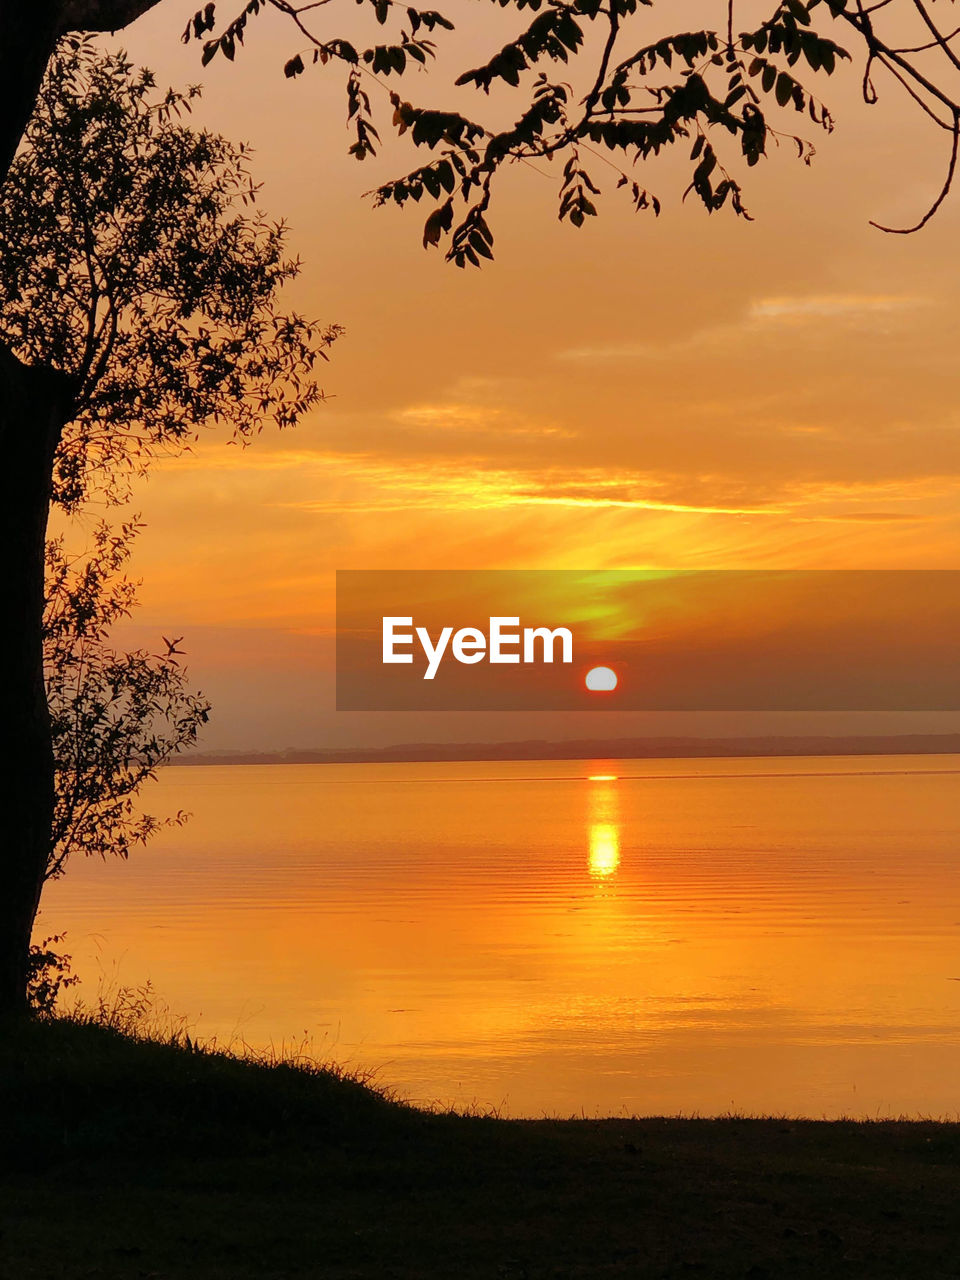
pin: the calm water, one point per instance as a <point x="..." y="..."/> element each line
<point x="696" y="936"/>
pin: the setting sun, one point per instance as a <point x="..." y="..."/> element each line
<point x="601" y="680"/>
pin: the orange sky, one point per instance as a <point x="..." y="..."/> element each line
<point x="687" y="392"/>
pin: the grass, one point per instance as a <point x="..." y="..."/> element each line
<point x="123" y="1156"/>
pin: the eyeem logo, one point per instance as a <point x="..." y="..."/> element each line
<point x="506" y="643"/>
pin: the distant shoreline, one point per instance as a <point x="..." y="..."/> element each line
<point x="596" y="749"/>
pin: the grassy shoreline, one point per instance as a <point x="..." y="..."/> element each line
<point x="126" y="1157"/>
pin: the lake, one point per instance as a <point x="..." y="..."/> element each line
<point x="561" y="937"/>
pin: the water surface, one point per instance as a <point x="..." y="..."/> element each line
<point x="562" y="937"/>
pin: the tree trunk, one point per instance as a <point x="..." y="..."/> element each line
<point x="29" y="30"/>
<point x="34" y="404"/>
<point x="28" y="33"/>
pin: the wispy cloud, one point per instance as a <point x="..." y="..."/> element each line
<point x="863" y="309"/>
<point x="828" y="306"/>
<point x="381" y="486"/>
<point x="367" y="481"/>
<point x="618" y="351"/>
<point x="461" y="416"/>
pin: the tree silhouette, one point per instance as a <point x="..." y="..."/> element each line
<point x="115" y="717"/>
<point x="138" y="303"/>
<point x="722" y="92"/>
<point x="29" y="34"/>
<point x="726" y="89"/>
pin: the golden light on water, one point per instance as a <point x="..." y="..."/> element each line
<point x="603" y="826"/>
<point x="604" y="849"/>
<point x="683" y="937"/>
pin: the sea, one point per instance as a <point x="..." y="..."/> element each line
<point x="560" y="938"/>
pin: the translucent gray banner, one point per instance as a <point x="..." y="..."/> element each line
<point x="657" y="640"/>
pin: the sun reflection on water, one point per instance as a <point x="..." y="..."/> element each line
<point x="603" y="826"/>
<point x="604" y="849"/>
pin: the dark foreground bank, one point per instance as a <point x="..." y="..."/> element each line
<point x="125" y="1158"/>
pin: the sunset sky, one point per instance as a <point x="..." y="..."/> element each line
<point x="688" y="392"/>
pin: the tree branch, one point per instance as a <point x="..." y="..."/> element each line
<point x="102" y="15"/>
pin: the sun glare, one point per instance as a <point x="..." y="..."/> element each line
<point x="604" y="849"/>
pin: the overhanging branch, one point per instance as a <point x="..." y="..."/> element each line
<point x="102" y="15"/>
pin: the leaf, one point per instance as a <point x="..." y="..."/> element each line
<point x="784" y="91"/>
<point x="439" y="221"/>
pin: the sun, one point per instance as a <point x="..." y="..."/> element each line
<point x="601" y="680"/>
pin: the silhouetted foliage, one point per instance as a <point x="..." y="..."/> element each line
<point x="49" y="973"/>
<point x="723" y="92"/>
<point x="139" y="302"/>
<point x="146" y="273"/>
<point x="116" y="716"/>
<point x="149" y="277"/>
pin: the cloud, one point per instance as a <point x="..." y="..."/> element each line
<point x="473" y="419"/>
<point x="369" y="481"/>
<point x="374" y="485"/>
<point x="879" y="516"/>
<point x="863" y="309"/>
<point x="619" y="351"/>
<point x="830" y="306"/>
